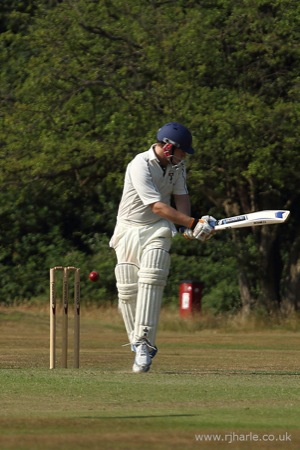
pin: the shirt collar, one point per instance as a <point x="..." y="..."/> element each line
<point x="153" y="154"/>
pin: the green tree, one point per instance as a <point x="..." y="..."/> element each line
<point x="249" y="132"/>
<point x="85" y="85"/>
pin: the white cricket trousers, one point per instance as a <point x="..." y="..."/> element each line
<point x="141" y="274"/>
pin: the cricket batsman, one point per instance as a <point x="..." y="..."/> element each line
<point x="143" y="234"/>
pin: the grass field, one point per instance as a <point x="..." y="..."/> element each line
<point x="210" y="387"/>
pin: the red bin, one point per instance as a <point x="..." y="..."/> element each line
<point x="190" y="295"/>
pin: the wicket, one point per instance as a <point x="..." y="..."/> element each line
<point x="65" y="300"/>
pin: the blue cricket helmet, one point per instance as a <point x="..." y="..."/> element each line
<point x="176" y="134"/>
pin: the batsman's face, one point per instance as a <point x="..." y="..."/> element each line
<point x="179" y="154"/>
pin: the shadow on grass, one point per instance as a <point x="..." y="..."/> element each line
<point x="223" y="372"/>
<point x="151" y="416"/>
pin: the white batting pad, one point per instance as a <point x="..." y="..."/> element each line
<point x="127" y="284"/>
<point x="152" y="280"/>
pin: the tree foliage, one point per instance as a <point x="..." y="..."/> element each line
<point x="84" y="87"/>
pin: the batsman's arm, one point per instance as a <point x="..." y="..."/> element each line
<point x="168" y="212"/>
<point x="198" y="228"/>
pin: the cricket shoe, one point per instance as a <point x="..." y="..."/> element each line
<point x="152" y="348"/>
<point x="144" y="352"/>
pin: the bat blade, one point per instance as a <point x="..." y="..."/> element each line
<point x="258" y="218"/>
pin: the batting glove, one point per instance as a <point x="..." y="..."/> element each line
<point x="187" y="233"/>
<point x="203" y="229"/>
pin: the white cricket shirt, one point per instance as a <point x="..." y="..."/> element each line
<point x="145" y="183"/>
